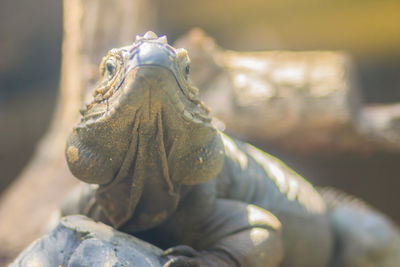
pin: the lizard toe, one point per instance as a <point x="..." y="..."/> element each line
<point x="181" y="261"/>
<point x="181" y="250"/>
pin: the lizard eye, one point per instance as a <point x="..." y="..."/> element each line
<point x="184" y="61"/>
<point x="187" y="70"/>
<point x="111" y="67"/>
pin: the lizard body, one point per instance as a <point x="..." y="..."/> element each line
<point x="164" y="173"/>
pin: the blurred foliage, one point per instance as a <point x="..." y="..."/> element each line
<point x="369" y="28"/>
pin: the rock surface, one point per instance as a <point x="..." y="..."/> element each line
<point x="79" y="241"/>
<point x="303" y="102"/>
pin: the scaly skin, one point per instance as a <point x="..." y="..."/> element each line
<point x="165" y="174"/>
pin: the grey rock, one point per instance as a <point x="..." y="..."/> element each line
<point x="79" y="241"/>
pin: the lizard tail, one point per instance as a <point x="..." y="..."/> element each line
<point x="364" y="236"/>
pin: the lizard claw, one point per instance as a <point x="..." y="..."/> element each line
<point x="181" y="250"/>
<point x="181" y="256"/>
<point x="181" y="261"/>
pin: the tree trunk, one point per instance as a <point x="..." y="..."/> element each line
<point x="91" y="27"/>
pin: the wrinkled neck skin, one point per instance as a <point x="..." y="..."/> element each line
<point x="151" y="141"/>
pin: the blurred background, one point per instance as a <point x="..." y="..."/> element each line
<point x="368" y="30"/>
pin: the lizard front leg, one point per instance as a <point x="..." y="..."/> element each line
<point x="234" y="234"/>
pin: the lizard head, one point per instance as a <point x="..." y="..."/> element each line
<point x="145" y="120"/>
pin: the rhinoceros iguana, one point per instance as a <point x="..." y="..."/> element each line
<point x="162" y="172"/>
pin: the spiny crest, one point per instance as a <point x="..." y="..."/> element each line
<point x="152" y="36"/>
